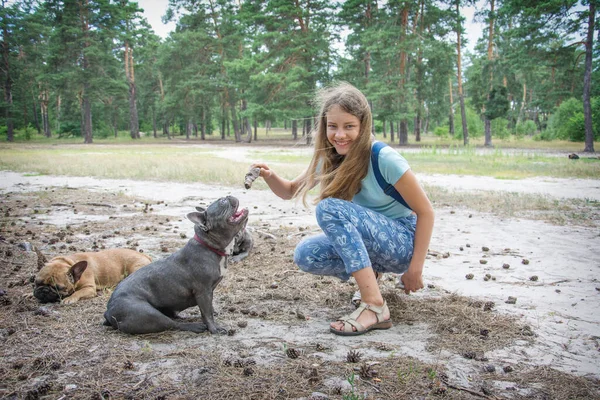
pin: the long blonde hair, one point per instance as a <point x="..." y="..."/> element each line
<point x="339" y="175"/>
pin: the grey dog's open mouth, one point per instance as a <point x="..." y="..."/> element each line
<point x="238" y="215"/>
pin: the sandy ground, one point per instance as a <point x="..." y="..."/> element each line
<point x="552" y="271"/>
<point x="557" y="291"/>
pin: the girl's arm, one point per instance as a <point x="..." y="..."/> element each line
<point x="282" y="187"/>
<point x="413" y="194"/>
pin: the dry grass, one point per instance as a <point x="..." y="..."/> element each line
<point x="519" y="205"/>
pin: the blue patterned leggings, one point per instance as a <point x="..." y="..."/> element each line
<point x="354" y="238"/>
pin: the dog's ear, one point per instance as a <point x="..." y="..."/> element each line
<point x="199" y="219"/>
<point x="77" y="270"/>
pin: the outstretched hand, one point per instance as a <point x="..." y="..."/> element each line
<point x="265" y="171"/>
<point x="412" y="281"/>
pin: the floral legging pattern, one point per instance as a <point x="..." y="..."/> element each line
<point x="354" y="238"/>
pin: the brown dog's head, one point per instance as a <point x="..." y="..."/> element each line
<point x="56" y="280"/>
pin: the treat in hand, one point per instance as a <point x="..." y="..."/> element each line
<point x="251" y="176"/>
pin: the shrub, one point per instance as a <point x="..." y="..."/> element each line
<point x="525" y="128"/>
<point x="559" y="123"/>
<point x="500" y="128"/>
<point x="70" y="129"/>
<point x="102" y="130"/>
<point x="441" y="131"/>
<point x="575" y="126"/>
<point x="474" y="124"/>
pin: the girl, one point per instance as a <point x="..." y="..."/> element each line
<point x="365" y="231"/>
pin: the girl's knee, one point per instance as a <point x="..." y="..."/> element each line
<point x="301" y="256"/>
<point x="328" y="206"/>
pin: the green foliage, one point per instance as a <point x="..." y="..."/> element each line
<point x="525" y="128"/>
<point x="497" y="105"/>
<point x="29" y="131"/>
<point x="567" y="121"/>
<point x="499" y="128"/>
<point x="441" y="131"/>
<point x="263" y="60"/>
<point x="576" y="127"/>
<point x="352" y="395"/>
<point x="474" y="124"/>
<point x="70" y="129"/>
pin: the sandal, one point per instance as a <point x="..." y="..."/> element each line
<point x="350" y="321"/>
<point x="356" y="297"/>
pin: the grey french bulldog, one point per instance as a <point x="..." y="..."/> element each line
<point x="148" y="300"/>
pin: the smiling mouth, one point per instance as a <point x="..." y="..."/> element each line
<point x="342" y="143"/>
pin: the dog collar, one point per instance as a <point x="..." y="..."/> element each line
<point x="203" y="243"/>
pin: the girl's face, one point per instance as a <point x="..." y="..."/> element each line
<point x="342" y="129"/>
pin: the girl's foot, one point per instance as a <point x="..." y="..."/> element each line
<point x="364" y="319"/>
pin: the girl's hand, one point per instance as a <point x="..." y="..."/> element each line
<point x="265" y="171"/>
<point x="412" y="281"/>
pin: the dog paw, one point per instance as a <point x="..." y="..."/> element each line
<point x="69" y="300"/>
<point x="219" y="330"/>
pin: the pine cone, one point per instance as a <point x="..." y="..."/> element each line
<point x="251" y="176"/>
<point x="353" y="356"/>
<point x="292" y="353"/>
<point x="366" y="371"/>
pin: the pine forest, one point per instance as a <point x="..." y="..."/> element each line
<point x="92" y="68"/>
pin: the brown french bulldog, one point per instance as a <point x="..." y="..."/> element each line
<point x="71" y="278"/>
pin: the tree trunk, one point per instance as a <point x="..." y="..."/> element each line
<point x="451" y="113"/>
<point x="36" y="120"/>
<point x="523" y="102"/>
<point x="488" y="132"/>
<point x="248" y="130"/>
<point x="461" y="97"/>
<point x="403" y="132"/>
<point x="490" y="57"/>
<point x="10" y="134"/>
<point x="236" y="125"/>
<point x="87" y="115"/>
<point x="203" y="125"/>
<point x="46" y="122"/>
<point x="392" y="132"/>
<point x="134" y="125"/>
<point x="420" y="73"/>
<point x="384" y="130"/>
<point x="309" y="130"/>
<point x="44" y="99"/>
<point x="587" y="82"/>
<point x="223" y="122"/>
<point x="115" y="122"/>
<point x="255" y="129"/>
<point x="294" y="129"/>
<point x="418" y="126"/>
<point x="304" y="127"/>
<point x="58" y="112"/>
<point x="154" y="122"/>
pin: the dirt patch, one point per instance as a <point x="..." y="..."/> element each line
<point x="442" y="344"/>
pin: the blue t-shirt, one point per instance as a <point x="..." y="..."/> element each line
<point x="392" y="166"/>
